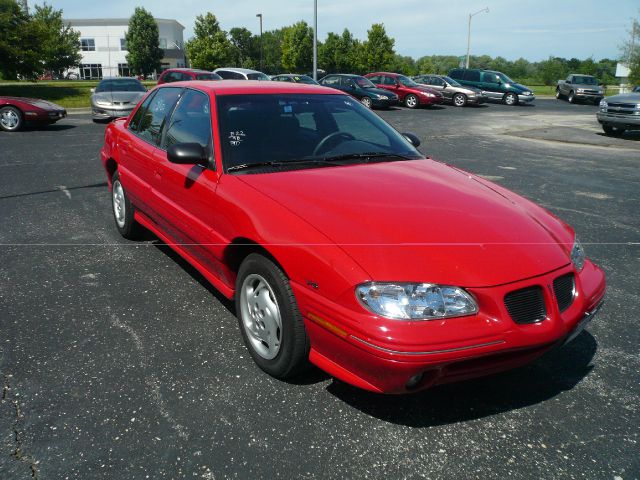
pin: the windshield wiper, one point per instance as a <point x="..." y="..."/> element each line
<point x="367" y="156"/>
<point x="302" y="161"/>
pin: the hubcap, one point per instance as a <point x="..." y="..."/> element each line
<point x="118" y="203"/>
<point x="366" y="101"/>
<point x="411" y="101"/>
<point x="261" y="316"/>
<point x="459" y="100"/>
<point x="9" y="119"/>
<point x="511" y="99"/>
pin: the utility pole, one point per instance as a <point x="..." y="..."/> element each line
<point x="471" y="15"/>
<point x="259" y="15"/>
<point x="315" y="39"/>
<point x="633" y="41"/>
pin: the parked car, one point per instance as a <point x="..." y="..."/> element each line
<point x="16" y="112"/>
<point x="115" y="97"/>
<point x="341" y="244"/>
<point x="362" y="89"/>
<point x="411" y="94"/>
<point x="294" y="78"/>
<point x="580" y="87"/>
<point x="229" y="73"/>
<point x="496" y="85"/>
<point x="186" y="74"/>
<point x="452" y="91"/>
<point x="620" y="113"/>
<point x="637" y="89"/>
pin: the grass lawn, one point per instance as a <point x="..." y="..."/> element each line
<point x="68" y="94"/>
<point x="551" y="90"/>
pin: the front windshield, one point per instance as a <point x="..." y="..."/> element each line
<point x="257" y="76"/>
<point x="305" y="79"/>
<point x="407" y="82"/>
<point x="305" y="128"/>
<point x="128" y="85"/>
<point x="364" y="82"/>
<point x="503" y="78"/>
<point x="451" y="82"/>
<point x="585" y="80"/>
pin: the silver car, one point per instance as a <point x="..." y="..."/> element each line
<point x="115" y="97"/>
<point x="452" y="91"/>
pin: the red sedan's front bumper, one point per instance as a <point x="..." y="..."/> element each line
<point x="437" y="100"/>
<point x="44" y="116"/>
<point x="391" y="356"/>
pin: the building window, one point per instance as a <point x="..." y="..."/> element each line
<point x="123" y="44"/>
<point x="88" y="44"/>
<point x="91" y="71"/>
<point x="163" y="43"/>
<point x="124" y="70"/>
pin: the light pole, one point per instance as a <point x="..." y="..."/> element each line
<point x="485" y="10"/>
<point x="315" y="39"/>
<point x="259" y="15"/>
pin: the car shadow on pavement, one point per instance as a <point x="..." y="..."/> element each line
<point x="633" y="135"/>
<point x="557" y="371"/>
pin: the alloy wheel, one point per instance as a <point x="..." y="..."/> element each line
<point x="260" y="315"/>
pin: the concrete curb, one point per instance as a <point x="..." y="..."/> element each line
<point x="78" y="111"/>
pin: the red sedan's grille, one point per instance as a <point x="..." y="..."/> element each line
<point x="563" y="288"/>
<point x="526" y="305"/>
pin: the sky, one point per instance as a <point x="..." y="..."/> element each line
<point x="534" y="30"/>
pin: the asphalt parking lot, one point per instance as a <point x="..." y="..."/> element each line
<point x="119" y="361"/>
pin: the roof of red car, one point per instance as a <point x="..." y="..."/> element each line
<point x="235" y="87"/>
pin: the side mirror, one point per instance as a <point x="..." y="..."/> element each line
<point x="568" y="82"/>
<point x="93" y="90"/>
<point x="412" y="138"/>
<point x="186" y="153"/>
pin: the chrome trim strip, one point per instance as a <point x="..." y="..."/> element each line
<point x="432" y="352"/>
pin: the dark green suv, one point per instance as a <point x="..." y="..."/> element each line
<point x="496" y="85"/>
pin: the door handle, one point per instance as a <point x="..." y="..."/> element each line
<point x="158" y="173"/>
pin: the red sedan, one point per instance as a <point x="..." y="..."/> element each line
<point x="410" y="93"/>
<point x="15" y="112"/>
<point x="343" y="245"/>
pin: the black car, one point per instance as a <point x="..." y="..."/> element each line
<point x="294" y="78"/>
<point x="362" y="89"/>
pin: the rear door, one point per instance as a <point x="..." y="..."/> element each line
<point x="491" y="84"/>
<point x="439" y="85"/>
<point x="390" y="83"/>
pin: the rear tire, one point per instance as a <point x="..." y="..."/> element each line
<point x="11" y="119"/>
<point x="411" y="101"/>
<point x="613" y="131"/>
<point x="123" y="211"/>
<point x="510" y="99"/>
<point x="459" y="99"/>
<point x="270" y="322"/>
<point x="558" y="94"/>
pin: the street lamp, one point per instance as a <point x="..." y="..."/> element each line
<point x="315" y="40"/>
<point x="259" y="15"/>
<point x="484" y="10"/>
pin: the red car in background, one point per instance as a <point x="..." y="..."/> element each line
<point x="410" y="93"/>
<point x="186" y="74"/>
<point x="341" y="244"/>
<point x="15" y="112"/>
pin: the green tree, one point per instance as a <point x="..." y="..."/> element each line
<point x="378" y="53"/>
<point x="552" y="70"/>
<point x="405" y="65"/>
<point x="143" y="43"/>
<point x="327" y="58"/>
<point x="297" y="48"/>
<point x="245" y="50"/>
<point x="20" y="41"/>
<point x="60" y="45"/>
<point x="588" y="67"/>
<point x="210" y="48"/>
<point x="425" y="65"/>
<point x="272" y="50"/>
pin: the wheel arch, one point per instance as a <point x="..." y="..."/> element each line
<point x="240" y="248"/>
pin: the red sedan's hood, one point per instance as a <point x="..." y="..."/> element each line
<point x="422" y="221"/>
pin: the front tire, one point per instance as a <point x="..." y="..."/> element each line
<point x="613" y="131"/>
<point x="459" y="99"/>
<point x="11" y="119"/>
<point x="510" y="99"/>
<point x="571" y="97"/>
<point x="123" y="211"/>
<point x="558" y="94"/>
<point x="270" y="322"/>
<point x="411" y="101"/>
<point x="366" y="101"/>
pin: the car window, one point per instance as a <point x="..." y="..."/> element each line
<point x="488" y="77"/>
<point x="283" y="79"/>
<point x="154" y="118"/>
<point x="120" y="85"/>
<point x="363" y="82"/>
<point x="207" y="76"/>
<point x="190" y="121"/>
<point x="472" y="75"/>
<point x="456" y="74"/>
<point x="388" y="80"/>
<point x="257" y="76"/>
<point x="135" y="120"/>
<point x="226" y="75"/>
<point x="331" y="81"/>
<point x="375" y="79"/>
<point x="436" y="81"/>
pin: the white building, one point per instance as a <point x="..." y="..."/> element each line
<point x="104" y="49"/>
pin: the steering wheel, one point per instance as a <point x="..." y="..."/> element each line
<point x="335" y="138"/>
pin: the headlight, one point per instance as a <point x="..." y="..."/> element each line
<point x="427" y="94"/>
<point x="580" y="90"/>
<point x="415" y="301"/>
<point x="383" y="97"/>
<point x="103" y="103"/>
<point x="577" y="255"/>
<point x="527" y="93"/>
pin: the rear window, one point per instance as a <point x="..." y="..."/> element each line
<point x="456" y="74"/>
<point x="257" y="76"/>
<point x="472" y="75"/>
<point x="208" y="76"/>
